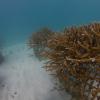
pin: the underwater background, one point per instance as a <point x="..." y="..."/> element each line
<point x="21" y="75"/>
<point x="19" y="18"/>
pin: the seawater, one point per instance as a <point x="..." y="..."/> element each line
<point x="19" y="18"/>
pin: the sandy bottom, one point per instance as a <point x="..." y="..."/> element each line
<point x="22" y="78"/>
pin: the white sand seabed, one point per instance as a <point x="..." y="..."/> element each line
<point x="24" y="79"/>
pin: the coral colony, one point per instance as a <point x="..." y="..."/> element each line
<point x="38" y="41"/>
<point x="74" y="56"/>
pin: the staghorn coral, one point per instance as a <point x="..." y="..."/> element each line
<point x="38" y="40"/>
<point x="74" y="56"/>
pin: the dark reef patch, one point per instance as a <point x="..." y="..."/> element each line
<point x="1" y="58"/>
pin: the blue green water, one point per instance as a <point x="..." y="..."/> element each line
<point x="19" y="18"/>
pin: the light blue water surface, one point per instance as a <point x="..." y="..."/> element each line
<point x="19" y="18"/>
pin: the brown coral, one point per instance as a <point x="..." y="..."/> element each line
<point x="38" y="40"/>
<point x="75" y="57"/>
